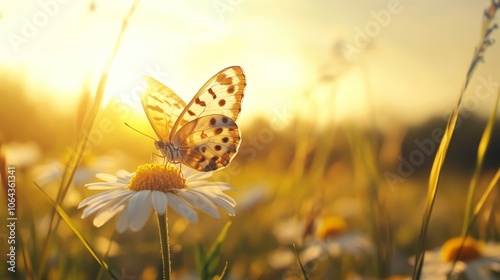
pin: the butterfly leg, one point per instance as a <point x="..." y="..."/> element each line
<point x="160" y="156"/>
<point x="180" y="170"/>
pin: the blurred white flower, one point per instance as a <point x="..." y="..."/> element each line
<point x="288" y="231"/>
<point x="252" y="197"/>
<point x="352" y="243"/>
<point x="22" y="154"/>
<point x="476" y="260"/>
<point x="332" y="239"/>
<point x="47" y="173"/>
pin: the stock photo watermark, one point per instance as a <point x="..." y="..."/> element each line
<point x="222" y="7"/>
<point x="11" y="218"/>
<point x="427" y="147"/>
<point x="371" y="29"/>
<point x="31" y="25"/>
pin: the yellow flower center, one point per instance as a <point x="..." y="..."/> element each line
<point x="471" y="249"/>
<point x="331" y="226"/>
<point x="156" y="177"/>
<point x="396" y="277"/>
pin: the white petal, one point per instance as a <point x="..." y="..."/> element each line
<point x="140" y="207"/>
<point x="84" y="202"/>
<point x="222" y="196"/>
<point x="192" y="177"/>
<point x="159" y="201"/>
<point x="136" y="202"/>
<point x="200" y="202"/>
<point x="197" y="183"/>
<point x="93" y="208"/>
<point x="103" y="217"/>
<point x="216" y="194"/>
<point x="228" y="208"/>
<point x="186" y="171"/>
<point x="212" y="186"/>
<point x="48" y="173"/>
<point x="219" y="200"/>
<point x="181" y="207"/>
<point x="122" y="222"/>
<point x="313" y="252"/>
<point x="93" y="198"/>
<point x="105" y="186"/>
<point x="107" y="177"/>
<point x="103" y="197"/>
<point x="227" y="198"/>
<point x="123" y="200"/>
<point x="124" y="174"/>
<point x="192" y="174"/>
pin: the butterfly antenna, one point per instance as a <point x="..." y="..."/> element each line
<point x="139" y="131"/>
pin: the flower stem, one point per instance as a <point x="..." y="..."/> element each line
<point x="164" y="244"/>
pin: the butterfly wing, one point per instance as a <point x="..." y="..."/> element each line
<point x="209" y="142"/>
<point x="162" y="106"/>
<point x="220" y="95"/>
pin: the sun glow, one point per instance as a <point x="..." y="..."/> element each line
<point x="61" y="48"/>
<point x="63" y="71"/>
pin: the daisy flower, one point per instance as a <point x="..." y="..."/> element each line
<point x="158" y="186"/>
<point x="22" y="154"/>
<point x="475" y="261"/>
<point x="333" y="239"/>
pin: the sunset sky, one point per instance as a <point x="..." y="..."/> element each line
<point x="407" y="58"/>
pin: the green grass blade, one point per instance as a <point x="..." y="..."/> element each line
<point x="433" y="187"/>
<point x="302" y="270"/>
<point x="480" y="204"/>
<point x="481" y="152"/>
<point x="211" y="259"/>
<point x="28" y="264"/>
<point x="223" y="273"/>
<point x="200" y="259"/>
<point x="82" y="238"/>
<point x="365" y="160"/>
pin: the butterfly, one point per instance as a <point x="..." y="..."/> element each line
<point x="202" y="134"/>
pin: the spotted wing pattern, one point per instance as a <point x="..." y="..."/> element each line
<point x="208" y="143"/>
<point x="222" y="94"/>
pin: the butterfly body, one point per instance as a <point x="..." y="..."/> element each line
<point x="204" y="136"/>
<point x="169" y="151"/>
